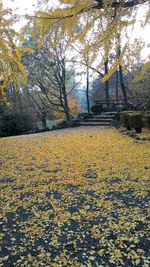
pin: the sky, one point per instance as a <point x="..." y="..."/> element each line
<point x="23" y="6"/>
<point x="27" y="7"/>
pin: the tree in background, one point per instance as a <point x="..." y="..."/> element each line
<point x="139" y="87"/>
<point x="106" y="20"/>
<point x="50" y="75"/>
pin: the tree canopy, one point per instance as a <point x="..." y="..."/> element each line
<point x="109" y="22"/>
<point x="11" y="50"/>
<point x="100" y="30"/>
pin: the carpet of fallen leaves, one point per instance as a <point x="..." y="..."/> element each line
<point x="74" y="198"/>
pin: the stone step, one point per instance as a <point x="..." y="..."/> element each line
<point x="103" y="116"/>
<point x="109" y="113"/>
<point x="99" y="120"/>
<point x="103" y="119"/>
<point x="84" y="123"/>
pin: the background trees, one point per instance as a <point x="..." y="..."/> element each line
<point x="49" y="75"/>
<point x="110" y="24"/>
<point x="104" y="19"/>
<point x="99" y="30"/>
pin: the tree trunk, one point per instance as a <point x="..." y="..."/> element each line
<point x="107" y="87"/>
<point x="66" y="106"/>
<point x="64" y="98"/>
<point x="64" y="93"/>
<point x="117" y="87"/>
<point x="87" y="90"/>
<point x="124" y="91"/>
<point x="43" y="119"/>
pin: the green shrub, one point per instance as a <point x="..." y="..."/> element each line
<point x="12" y="123"/>
<point x="146" y="119"/>
<point x="132" y="119"/>
<point x="125" y="119"/>
<point x="136" y="121"/>
<point x="97" y="109"/>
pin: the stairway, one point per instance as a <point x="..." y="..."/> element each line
<point x="104" y="119"/>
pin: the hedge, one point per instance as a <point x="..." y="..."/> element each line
<point x="13" y="123"/>
<point x="135" y="119"/>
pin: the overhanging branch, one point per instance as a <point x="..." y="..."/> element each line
<point x="99" y="4"/>
<point x="121" y="3"/>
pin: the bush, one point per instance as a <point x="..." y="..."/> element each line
<point x="97" y="109"/>
<point x="116" y="120"/>
<point x="146" y="119"/>
<point x="65" y="124"/>
<point x="125" y="119"/>
<point x="131" y="120"/>
<point x="12" y="123"/>
<point x="136" y="121"/>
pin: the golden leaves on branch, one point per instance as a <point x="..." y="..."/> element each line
<point x="11" y="68"/>
<point x="103" y="25"/>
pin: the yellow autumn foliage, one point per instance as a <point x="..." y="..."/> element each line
<point x="144" y="69"/>
<point x="103" y="24"/>
<point x="58" y="115"/>
<point x="11" y="67"/>
<point x="73" y="106"/>
<point x="113" y="70"/>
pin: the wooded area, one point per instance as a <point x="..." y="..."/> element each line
<point x="49" y="67"/>
<point x="39" y="66"/>
<point x="80" y="196"/>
